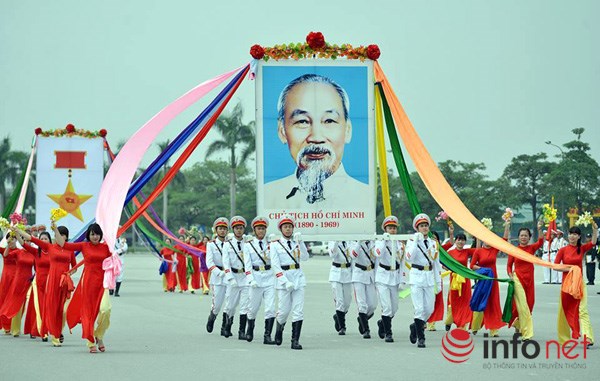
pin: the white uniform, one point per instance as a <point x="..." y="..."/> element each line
<point x="363" y="276"/>
<point x="389" y="274"/>
<point x="122" y="248"/>
<point x="235" y="278"/>
<point x="549" y="254"/>
<point x="340" y="274"/>
<point x="286" y="256"/>
<point x="214" y="262"/>
<point x="259" y="273"/>
<point x="425" y="274"/>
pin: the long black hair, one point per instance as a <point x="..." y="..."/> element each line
<point x="49" y="239"/>
<point x="94" y="228"/>
<point x="576" y="230"/>
<point x="63" y="231"/>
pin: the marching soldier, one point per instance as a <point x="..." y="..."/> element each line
<point x="340" y="277"/>
<point x="286" y="254"/>
<point x="425" y="276"/>
<point x="363" y="281"/>
<point x="214" y="261"/>
<point x="237" y="283"/>
<point x="261" y="279"/>
<point x="389" y="274"/>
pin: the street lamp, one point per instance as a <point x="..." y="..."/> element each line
<point x="30" y="214"/>
<point x="562" y="156"/>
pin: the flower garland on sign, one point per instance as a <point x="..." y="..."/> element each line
<point x="585" y="219"/>
<point x="507" y="216"/>
<point x="315" y="47"/>
<point x="71" y="131"/>
<point x="548" y="214"/>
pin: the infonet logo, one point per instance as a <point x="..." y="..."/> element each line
<point x="457" y="345"/>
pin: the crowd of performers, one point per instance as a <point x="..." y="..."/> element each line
<point x="244" y="271"/>
<point x="36" y="281"/>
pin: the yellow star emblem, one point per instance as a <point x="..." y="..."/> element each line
<point x="71" y="201"/>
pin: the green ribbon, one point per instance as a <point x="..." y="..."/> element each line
<point x="451" y="263"/>
<point x="12" y="201"/>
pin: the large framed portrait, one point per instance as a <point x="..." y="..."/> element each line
<point x="315" y="145"/>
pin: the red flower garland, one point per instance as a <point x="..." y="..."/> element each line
<point x="103" y="132"/>
<point x="38" y="131"/>
<point x="257" y="51"/>
<point x="373" y="52"/>
<point x="70" y="128"/>
<point x="315" y="40"/>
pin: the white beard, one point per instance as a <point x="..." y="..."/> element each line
<point x="312" y="173"/>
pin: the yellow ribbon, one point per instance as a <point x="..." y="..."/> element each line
<point x="381" y="156"/>
<point x="457" y="282"/>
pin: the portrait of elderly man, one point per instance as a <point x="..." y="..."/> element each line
<point x="313" y="121"/>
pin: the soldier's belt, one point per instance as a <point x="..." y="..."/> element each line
<point x="290" y="267"/>
<point x="422" y="268"/>
<point x="341" y="265"/>
<point x="363" y="268"/>
<point x="389" y="268"/>
<point x="237" y="271"/>
<point x="261" y="268"/>
<point x="219" y="267"/>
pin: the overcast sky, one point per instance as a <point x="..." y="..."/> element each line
<point x="482" y="81"/>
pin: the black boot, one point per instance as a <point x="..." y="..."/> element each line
<point x="228" y="326"/>
<point x="242" y="328"/>
<point x="336" y="322"/>
<point x="420" y="324"/>
<point x="361" y="330"/>
<point x="224" y="325"/>
<point x="111" y="292"/>
<point x="413" y="332"/>
<point x="340" y="320"/>
<point x="211" y="322"/>
<point x="117" y="289"/>
<point x="363" y="322"/>
<point x="279" y="333"/>
<point x="296" y="328"/>
<point x="250" y="331"/>
<point x="380" y="328"/>
<point x="268" y="329"/>
<point x="387" y="325"/>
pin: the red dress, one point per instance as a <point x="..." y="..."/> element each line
<point x="492" y="315"/>
<point x="525" y="272"/>
<point x="9" y="269"/>
<point x="196" y="274"/>
<point x="438" y="309"/>
<point x="85" y="304"/>
<point x="169" y="275"/>
<point x="181" y="268"/>
<point x="461" y="308"/>
<point x="568" y="255"/>
<point x="42" y="267"/>
<point x="17" y="293"/>
<point x="61" y="260"/>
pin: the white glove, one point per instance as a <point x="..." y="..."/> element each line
<point x="253" y="284"/>
<point x="289" y="286"/>
<point x="439" y="288"/>
<point x="297" y="236"/>
<point x="419" y="236"/>
<point x="386" y="236"/>
<point x="221" y="274"/>
<point x="229" y="237"/>
<point x="248" y="238"/>
<point x="272" y="237"/>
<point x="231" y="282"/>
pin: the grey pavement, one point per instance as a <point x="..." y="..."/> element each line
<point x="156" y="335"/>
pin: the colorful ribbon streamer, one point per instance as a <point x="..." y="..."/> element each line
<point x="116" y="183"/>
<point x="381" y="156"/>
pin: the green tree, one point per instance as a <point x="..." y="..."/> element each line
<point x="12" y="165"/>
<point x="202" y="199"/>
<point x="238" y="141"/>
<point x="527" y="177"/>
<point x="576" y="179"/>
